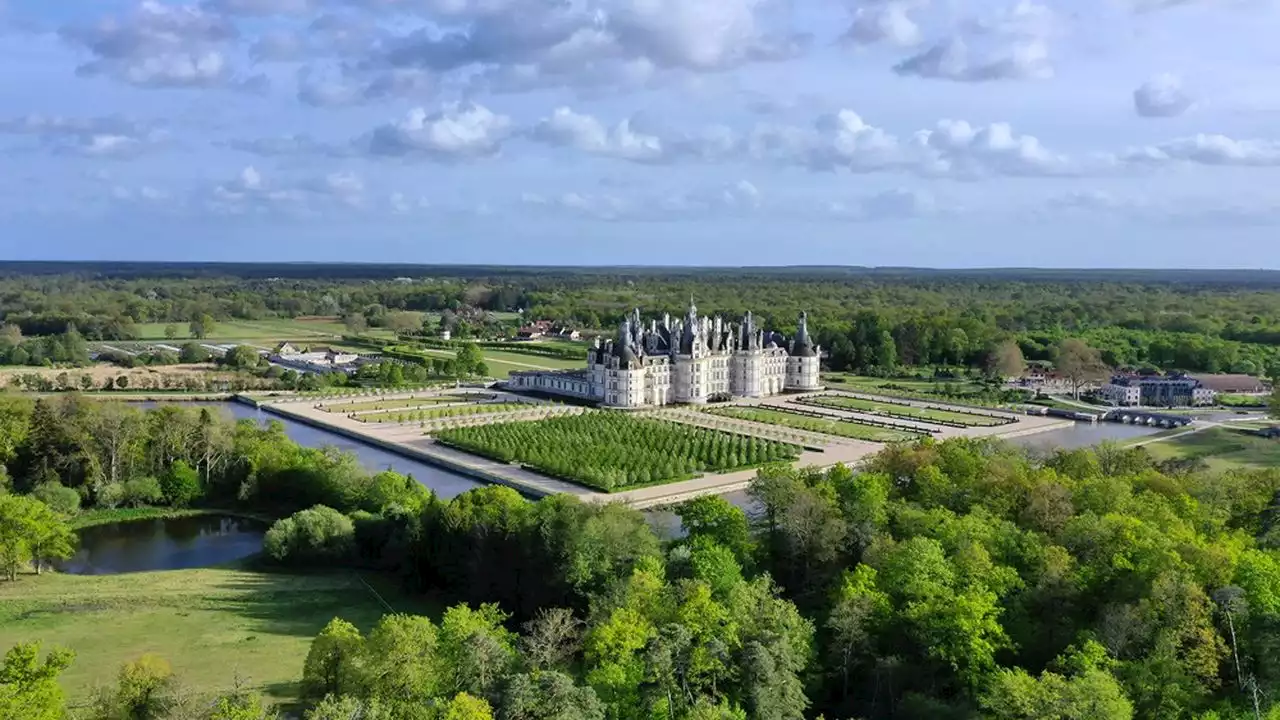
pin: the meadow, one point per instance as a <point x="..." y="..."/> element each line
<point x="215" y="626"/>
<point x="796" y="421"/>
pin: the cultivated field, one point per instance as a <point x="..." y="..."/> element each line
<point x="212" y="625"/>
<point x="614" y="451"/>
<point x="906" y="412"/>
<point x="502" y="364"/>
<point x="840" y="428"/>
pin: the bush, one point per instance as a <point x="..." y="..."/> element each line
<point x="320" y="535"/>
<point x="142" y="491"/>
<point x="61" y="499"/>
<point x="181" y="485"/>
<point x="110" y="495"/>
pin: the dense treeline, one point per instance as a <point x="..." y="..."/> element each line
<point x="943" y="580"/>
<point x="869" y="321"/>
<point x="109" y="454"/>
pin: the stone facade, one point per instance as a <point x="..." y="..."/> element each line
<point x="689" y="360"/>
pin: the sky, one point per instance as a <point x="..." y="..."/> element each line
<point x="936" y="133"/>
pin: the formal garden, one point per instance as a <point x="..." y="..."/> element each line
<point x="440" y="413"/>
<point x="904" y="411"/>
<point x="402" y="403"/>
<point x="814" y="423"/>
<point x="613" y="451"/>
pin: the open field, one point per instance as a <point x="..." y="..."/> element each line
<point x="398" y="403"/>
<point x="502" y="364"/>
<point x="1221" y="448"/>
<point x="393" y="416"/>
<point x="211" y="624"/>
<point x="961" y="391"/>
<point x="906" y="412"/>
<point x="614" y="451"/>
<point x="839" y="428"/>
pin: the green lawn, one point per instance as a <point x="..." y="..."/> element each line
<point x="797" y="421"/>
<point x="273" y="329"/>
<point x="908" y="412"/>
<point x="392" y="416"/>
<point x="1222" y="448"/>
<point x="397" y="403"/>
<point x="961" y="391"/>
<point x="502" y="364"/>
<point x="212" y="625"/>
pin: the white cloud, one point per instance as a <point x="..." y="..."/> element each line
<point x="956" y="148"/>
<point x="888" y="22"/>
<point x="458" y="131"/>
<point x="97" y="137"/>
<point x="952" y="60"/>
<point x="1010" y="45"/>
<point x="252" y="193"/>
<point x="1161" y="96"/>
<point x="1208" y="149"/>
<point x="160" y="46"/>
<point x="532" y="44"/>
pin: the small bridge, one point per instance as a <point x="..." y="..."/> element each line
<point x="1143" y="417"/>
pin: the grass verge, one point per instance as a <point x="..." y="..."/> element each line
<point x="102" y="516"/>
<point x="1220" y="448"/>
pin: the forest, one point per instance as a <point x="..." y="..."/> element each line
<point x="870" y="321"/>
<point x="958" y="579"/>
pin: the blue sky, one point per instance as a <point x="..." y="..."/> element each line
<point x="1137" y="133"/>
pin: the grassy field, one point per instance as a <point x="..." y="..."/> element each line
<point x="1221" y="448"/>
<point x="842" y="402"/>
<point x="502" y="364"/>
<point x="960" y="391"/>
<point x="796" y="421"/>
<point x="396" y="403"/>
<point x="212" y="625"/>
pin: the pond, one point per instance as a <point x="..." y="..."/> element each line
<point x="164" y="544"/>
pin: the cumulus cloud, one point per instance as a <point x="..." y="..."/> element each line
<point x="630" y="139"/>
<point x="1160" y="97"/>
<point x="1208" y="149"/>
<point x="956" y="148"/>
<point x="887" y="22"/>
<point x="161" y="46"/>
<point x="349" y="86"/>
<point x="1011" y="45"/>
<point x="458" y="131"/>
<point x="251" y="192"/>
<point x="529" y="44"/>
<point x="98" y="137"/>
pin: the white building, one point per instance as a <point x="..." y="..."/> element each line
<point x="685" y="361"/>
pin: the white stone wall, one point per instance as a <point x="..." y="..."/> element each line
<point x="802" y="373"/>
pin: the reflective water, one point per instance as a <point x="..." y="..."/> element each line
<point x="1081" y="435"/>
<point x="172" y="544"/>
<point x="443" y="483"/>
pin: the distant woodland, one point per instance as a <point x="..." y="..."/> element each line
<point x="871" y="321"/>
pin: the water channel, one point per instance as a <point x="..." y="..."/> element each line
<point x="443" y="483"/>
<point x="165" y="544"/>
